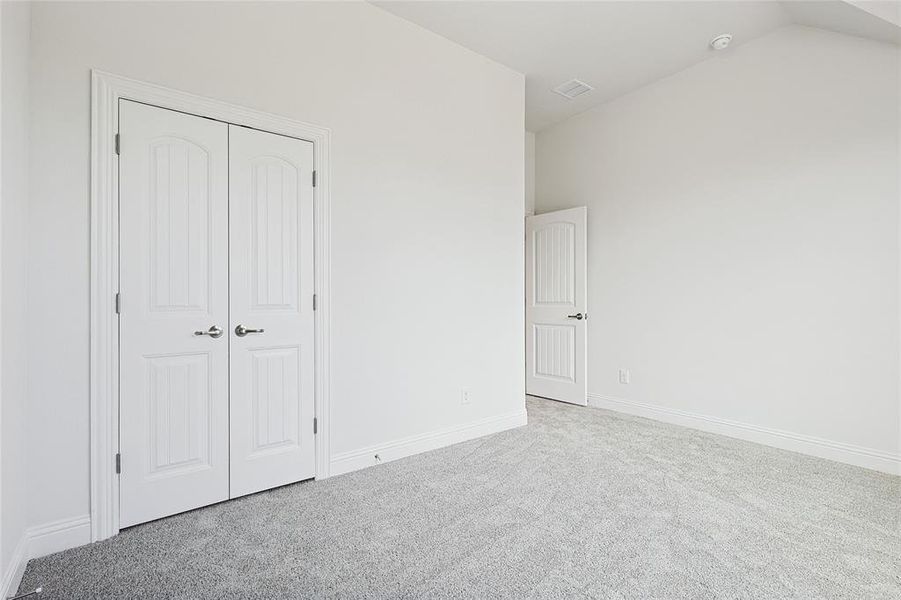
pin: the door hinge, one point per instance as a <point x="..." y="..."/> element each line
<point x="314" y="302"/>
<point x="118" y="463"/>
<point x="314" y="178"/>
<point x="118" y="139"/>
<point x="315" y="426"/>
<point x="118" y="303"/>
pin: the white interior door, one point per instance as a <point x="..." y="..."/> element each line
<point x="271" y="329"/>
<point x="173" y="174"/>
<point x="556" y="305"/>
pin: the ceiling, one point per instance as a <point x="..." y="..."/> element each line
<point x="617" y="47"/>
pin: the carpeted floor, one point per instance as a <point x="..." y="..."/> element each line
<point x="581" y="503"/>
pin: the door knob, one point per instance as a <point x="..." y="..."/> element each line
<point x="241" y="331"/>
<point x="578" y="316"/>
<point x="214" y="332"/>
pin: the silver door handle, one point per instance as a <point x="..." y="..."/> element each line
<point x="214" y="332"/>
<point x="578" y="316"/>
<point x="241" y="331"/>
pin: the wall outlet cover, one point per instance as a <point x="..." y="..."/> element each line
<point x="464" y="396"/>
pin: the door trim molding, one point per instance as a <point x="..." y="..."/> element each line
<point x="106" y="91"/>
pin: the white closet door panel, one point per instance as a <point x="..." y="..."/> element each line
<point x="556" y="305"/>
<point x="173" y="281"/>
<point x="271" y="283"/>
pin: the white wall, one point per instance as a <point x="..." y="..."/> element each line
<point x="427" y="205"/>
<point x="15" y="18"/>
<point x="743" y="240"/>
<point x="530" y="173"/>
<point x="888" y="10"/>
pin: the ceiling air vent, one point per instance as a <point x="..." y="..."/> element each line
<point x="572" y="88"/>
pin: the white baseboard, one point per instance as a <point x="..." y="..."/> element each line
<point x="58" y="535"/>
<point x="860" y="456"/>
<point x="365" y="457"/>
<point x="41" y="541"/>
<point x="14" y="570"/>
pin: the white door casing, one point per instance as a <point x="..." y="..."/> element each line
<point x="271" y="295"/>
<point x="556" y="305"/>
<point x="173" y="173"/>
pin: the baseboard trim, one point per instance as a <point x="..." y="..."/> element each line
<point x="43" y="540"/>
<point x="58" y="535"/>
<point x="14" y="570"/>
<point x="365" y="457"/>
<point x="868" y="458"/>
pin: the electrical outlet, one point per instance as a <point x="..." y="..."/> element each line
<point x="464" y="396"/>
<point x="625" y="376"/>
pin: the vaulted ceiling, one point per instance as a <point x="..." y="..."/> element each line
<point x="617" y="47"/>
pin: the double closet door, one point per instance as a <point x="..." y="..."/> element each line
<point x="216" y="311"/>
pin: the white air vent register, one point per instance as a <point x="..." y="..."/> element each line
<point x="572" y="88"/>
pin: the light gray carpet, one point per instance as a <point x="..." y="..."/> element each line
<point x="581" y="503"/>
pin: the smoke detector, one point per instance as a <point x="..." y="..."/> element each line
<point x="572" y="88"/>
<point x="721" y="42"/>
